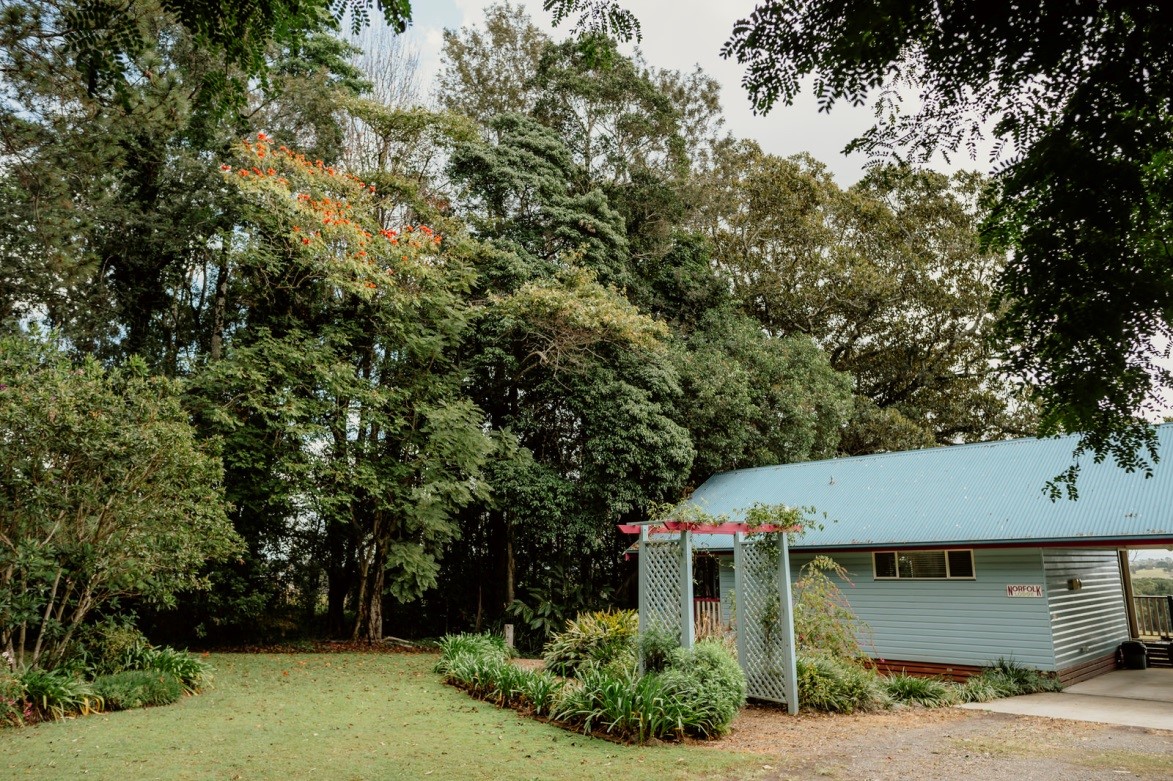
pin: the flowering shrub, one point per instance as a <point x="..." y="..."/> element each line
<point x="14" y="708"/>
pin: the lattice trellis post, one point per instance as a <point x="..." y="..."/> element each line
<point x="661" y="584"/>
<point x="765" y="622"/>
<point x="687" y="628"/>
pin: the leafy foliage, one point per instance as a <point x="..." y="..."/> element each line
<point x="698" y="692"/>
<point x="105" y="491"/>
<point x="887" y="277"/>
<point x="56" y="694"/>
<point x="601" y="638"/>
<point x="655" y="648"/>
<point x="193" y="674"/>
<point x="111" y="646"/>
<point x="709" y="685"/>
<point x="838" y="685"/>
<point x="917" y="690"/>
<point x="14" y="708"/>
<point x="823" y="619"/>
<point x="1074" y="99"/>
<point x="348" y="341"/>
<point x="1007" y="678"/>
<point x="137" y="689"/>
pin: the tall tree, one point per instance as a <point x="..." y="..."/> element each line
<point x="1079" y="99"/>
<point x="113" y="207"/>
<point x="338" y="377"/>
<point x="888" y="277"/>
<point x="573" y="374"/>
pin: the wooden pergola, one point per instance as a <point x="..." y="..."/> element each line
<point x="765" y="609"/>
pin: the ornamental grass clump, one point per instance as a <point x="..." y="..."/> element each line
<point x="1007" y="678"/>
<point x="625" y="705"/>
<point x="55" y="694"/>
<point x="479" y="664"/>
<point x="193" y="674"/>
<point x="926" y="692"/>
<point x="601" y="638"/>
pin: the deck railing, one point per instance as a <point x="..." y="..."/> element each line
<point x="707" y="616"/>
<point x="1153" y="616"/>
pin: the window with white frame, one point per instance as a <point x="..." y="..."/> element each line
<point x="923" y="565"/>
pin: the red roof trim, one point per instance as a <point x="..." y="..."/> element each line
<point x="723" y="528"/>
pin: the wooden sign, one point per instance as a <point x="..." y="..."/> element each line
<point x="1030" y="590"/>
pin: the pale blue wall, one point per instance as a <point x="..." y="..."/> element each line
<point x="971" y="622"/>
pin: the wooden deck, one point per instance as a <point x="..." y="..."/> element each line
<point x="1154" y="616"/>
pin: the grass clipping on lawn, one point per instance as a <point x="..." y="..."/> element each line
<point x="347" y="716"/>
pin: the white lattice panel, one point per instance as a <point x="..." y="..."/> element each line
<point x="660" y="585"/>
<point x="763" y="642"/>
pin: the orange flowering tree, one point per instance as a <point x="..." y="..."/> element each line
<point x="336" y="392"/>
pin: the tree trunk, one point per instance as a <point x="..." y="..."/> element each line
<point x="369" y="625"/>
<point x="510" y="563"/>
<point x="219" y="305"/>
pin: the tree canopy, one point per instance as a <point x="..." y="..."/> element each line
<point x="441" y="352"/>
<point x="1077" y="98"/>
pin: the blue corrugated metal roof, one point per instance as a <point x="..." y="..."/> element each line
<point x="984" y="493"/>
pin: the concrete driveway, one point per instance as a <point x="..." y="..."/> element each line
<point x="1133" y="698"/>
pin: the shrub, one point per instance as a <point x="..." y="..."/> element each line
<point x="193" y="674"/>
<point x="655" y="648"/>
<point x="601" y="637"/>
<point x="55" y="694"/>
<point x="929" y="692"/>
<point x="838" y="686"/>
<point x="113" y="646"/>
<point x="1007" y="678"/>
<point x="709" y="684"/>
<point x="138" y="689"/>
<point x="14" y="708"/>
<point x="824" y="622"/>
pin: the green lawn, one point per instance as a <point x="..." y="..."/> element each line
<point x="344" y="717"/>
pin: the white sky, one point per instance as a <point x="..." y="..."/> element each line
<point x="680" y="35"/>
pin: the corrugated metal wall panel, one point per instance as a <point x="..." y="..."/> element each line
<point x="1091" y="621"/>
<point x="953" y="621"/>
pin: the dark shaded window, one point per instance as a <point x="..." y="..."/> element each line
<point x="706" y="577"/>
<point x="923" y="564"/>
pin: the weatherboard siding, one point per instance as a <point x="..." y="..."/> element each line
<point x="961" y="622"/>
<point x="964" y="622"/>
<point x="1091" y="621"/>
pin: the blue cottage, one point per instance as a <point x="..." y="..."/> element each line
<point x="956" y="557"/>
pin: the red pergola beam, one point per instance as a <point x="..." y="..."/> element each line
<point x="722" y="528"/>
